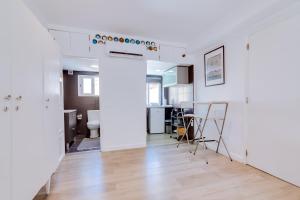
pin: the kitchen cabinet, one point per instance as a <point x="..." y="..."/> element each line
<point x="70" y="127"/>
<point x="176" y="76"/>
<point x="63" y="40"/>
<point x="28" y="151"/>
<point x="73" y="44"/>
<point x="172" y="54"/>
<point x="80" y="44"/>
<point x="5" y="99"/>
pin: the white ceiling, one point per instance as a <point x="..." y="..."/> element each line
<point x="179" y="21"/>
<point x="157" y="67"/>
<point x="80" y="64"/>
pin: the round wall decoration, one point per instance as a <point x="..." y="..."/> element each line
<point x="101" y="39"/>
<point x="132" y="41"/>
<point x="104" y="38"/>
<point x="95" y="41"/>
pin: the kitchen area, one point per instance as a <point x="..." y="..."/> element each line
<point x="167" y="86"/>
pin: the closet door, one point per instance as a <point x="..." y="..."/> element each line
<point x="29" y="171"/>
<point x="5" y="99"/>
<point x="274" y="100"/>
<point x="52" y="113"/>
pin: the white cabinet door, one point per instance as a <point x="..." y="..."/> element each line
<point x="63" y="40"/>
<point x="29" y="170"/>
<point x="274" y="106"/>
<point x="80" y="45"/>
<point x="5" y="101"/>
<point x="52" y="113"/>
<point x="172" y="54"/>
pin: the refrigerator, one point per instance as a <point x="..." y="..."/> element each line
<point x="156" y="120"/>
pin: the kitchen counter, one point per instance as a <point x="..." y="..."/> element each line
<point x="163" y="106"/>
<point x="69" y="111"/>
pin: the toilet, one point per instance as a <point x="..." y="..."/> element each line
<point x="93" y="123"/>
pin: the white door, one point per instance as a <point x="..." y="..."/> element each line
<point x="29" y="171"/>
<point x="63" y="39"/>
<point x="274" y="100"/>
<point x="5" y="100"/>
<point x="52" y="113"/>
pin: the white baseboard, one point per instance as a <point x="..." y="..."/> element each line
<point x="122" y="147"/>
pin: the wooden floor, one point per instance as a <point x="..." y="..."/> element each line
<point x="163" y="173"/>
<point x="160" y="139"/>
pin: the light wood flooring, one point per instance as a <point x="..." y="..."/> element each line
<point x="163" y="173"/>
<point x="160" y="139"/>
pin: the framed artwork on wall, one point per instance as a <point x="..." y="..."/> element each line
<point x="214" y="67"/>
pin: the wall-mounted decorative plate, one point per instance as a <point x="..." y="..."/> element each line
<point x="95" y="41"/>
<point x="101" y="39"/>
<point x="104" y="38"/>
<point x="132" y="41"/>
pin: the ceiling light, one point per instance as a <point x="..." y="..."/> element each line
<point x="158" y="70"/>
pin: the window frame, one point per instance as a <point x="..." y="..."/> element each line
<point x="80" y="85"/>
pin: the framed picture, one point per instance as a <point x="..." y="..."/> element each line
<point x="214" y="67"/>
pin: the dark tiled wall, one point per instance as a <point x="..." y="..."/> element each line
<point x="81" y="104"/>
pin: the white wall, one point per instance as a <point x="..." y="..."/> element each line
<point x="232" y="91"/>
<point x="236" y="63"/>
<point x="122" y="103"/>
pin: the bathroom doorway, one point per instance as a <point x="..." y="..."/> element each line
<point x="81" y="104"/>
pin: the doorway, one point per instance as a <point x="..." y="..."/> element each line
<point x="164" y="93"/>
<point x="81" y="104"/>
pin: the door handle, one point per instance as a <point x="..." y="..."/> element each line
<point x="8" y="97"/>
<point x="19" y="98"/>
<point x="5" y="109"/>
<point x="17" y="108"/>
<point x="48" y="100"/>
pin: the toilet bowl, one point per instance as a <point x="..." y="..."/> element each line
<point x="93" y="123"/>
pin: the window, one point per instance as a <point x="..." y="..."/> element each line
<point x="154" y="90"/>
<point x="88" y="85"/>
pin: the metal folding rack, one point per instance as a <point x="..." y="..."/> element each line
<point x="201" y="122"/>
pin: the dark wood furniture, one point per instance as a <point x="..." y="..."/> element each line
<point x="70" y="127"/>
